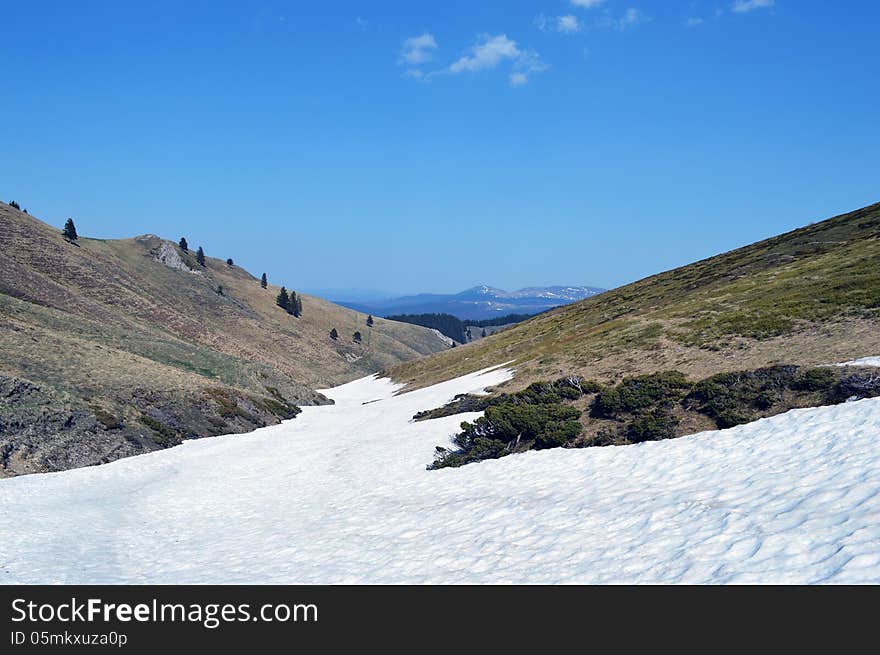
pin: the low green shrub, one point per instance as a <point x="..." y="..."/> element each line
<point x="733" y="398"/>
<point x="815" y="379"/>
<point x="638" y="393"/>
<point x="507" y="427"/>
<point x="655" y="425"/>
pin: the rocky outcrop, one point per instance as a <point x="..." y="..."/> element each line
<point x="43" y="430"/>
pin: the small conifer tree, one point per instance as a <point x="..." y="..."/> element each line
<point x="200" y="256"/>
<point x="484" y="333"/>
<point x="283" y="300"/>
<point x="264" y="282"/>
<point x="229" y="262"/>
<point x="370" y="320"/>
<point x="184" y="246"/>
<point x="14" y="204"/>
<point x="334" y="334"/>
<point x="356" y="337"/>
<point x="69" y="230"/>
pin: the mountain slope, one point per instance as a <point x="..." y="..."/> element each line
<point x="111" y="348"/>
<point x="478" y="303"/>
<point x="808" y="297"/>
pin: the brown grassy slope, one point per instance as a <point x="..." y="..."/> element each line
<point x="808" y="297"/>
<point x="104" y="324"/>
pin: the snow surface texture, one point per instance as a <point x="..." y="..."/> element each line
<point x="341" y="495"/>
<point x="864" y="361"/>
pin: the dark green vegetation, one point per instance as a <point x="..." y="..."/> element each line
<point x="507" y="319"/>
<point x="510" y="428"/>
<point x="289" y="302"/>
<point x="455" y="328"/>
<point x="446" y="324"/>
<point x="808" y="297"/>
<point x="96" y="334"/>
<point x="69" y="231"/>
<point x="650" y="407"/>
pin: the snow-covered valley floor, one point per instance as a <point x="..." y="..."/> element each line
<point x="341" y="495"/>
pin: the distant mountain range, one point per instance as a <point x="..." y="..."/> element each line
<point x="809" y="297"/>
<point x="477" y="303"/>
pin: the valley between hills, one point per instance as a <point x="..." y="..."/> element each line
<point x="112" y="348"/>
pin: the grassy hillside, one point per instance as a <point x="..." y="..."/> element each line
<point x="811" y="296"/>
<point x="111" y="348"/>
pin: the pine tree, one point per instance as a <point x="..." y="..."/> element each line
<point x="356" y="337"/>
<point x="229" y="262"/>
<point x="200" y="256"/>
<point x="69" y="230"/>
<point x="334" y="334"/>
<point x="370" y="320"/>
<point x="484" y="333"/>
<point x="283" y="300"/>
<point x="184" y="246"/>
<point x="264" y="281"/>
<point x="220" y="289"/>
<point x="14" y="204"/>
<point x="296" y="304"/>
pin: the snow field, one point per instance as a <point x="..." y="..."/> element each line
<point x="341" y="495"/>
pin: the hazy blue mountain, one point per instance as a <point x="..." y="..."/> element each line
<point x="476" y="303"/>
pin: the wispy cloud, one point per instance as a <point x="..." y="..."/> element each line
<point x="418" y="49"/>
<point x="694" y="22"/>
<point x="629" y="19"/>
<point x="745" y="6"/>
<point x="492" y="51"/>
<point x="587" y="4"/>
<point x="568" y="24"/>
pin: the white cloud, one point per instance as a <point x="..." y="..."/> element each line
<point x="745" y="6"/>
<point x="418" y="49"/>
<point x="587" y="4"/>
<point x="492" y="51"/>
<point x="631" y="18"/>
<point x="488" y="54"/>
<point x="568" y="24"/>
<point x="694" y="22"/>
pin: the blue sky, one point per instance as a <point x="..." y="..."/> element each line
<point x="431" y="146"/>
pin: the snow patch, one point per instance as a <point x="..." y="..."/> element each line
<point x="341" y="495"/>
<point x="864" y="361"/>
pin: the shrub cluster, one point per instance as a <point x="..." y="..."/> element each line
<point x="642" y="408"/>
<point x="507" y="428"/>
<point x="638" y="393"/>
<point x="566" y="388"/>
<point x="734" y="398"/>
